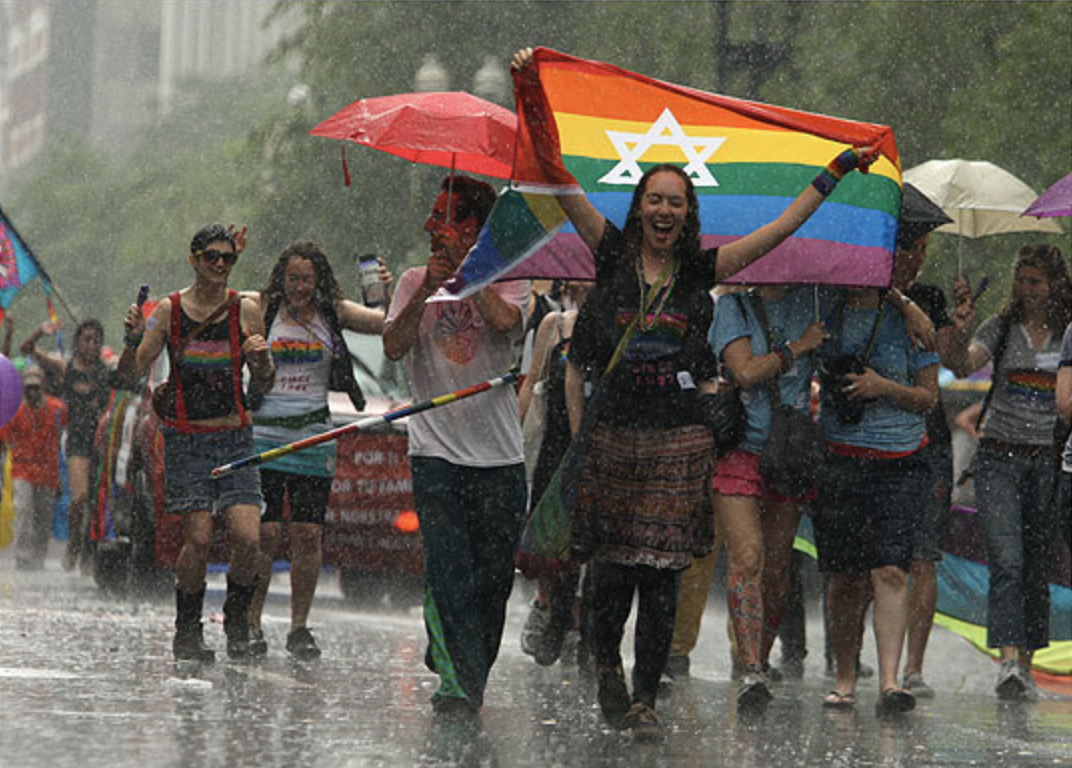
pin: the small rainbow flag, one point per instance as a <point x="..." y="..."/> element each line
<point x="748" y="162"/>
<point x="17" y="264"/>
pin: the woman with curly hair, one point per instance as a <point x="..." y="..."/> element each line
<point x="304" y="312"/>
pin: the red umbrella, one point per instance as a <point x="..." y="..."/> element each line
<point x="1055" y="201"/>
<point x="455" y="130"/>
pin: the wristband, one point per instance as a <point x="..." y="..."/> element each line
<point x="825" y="182"/>
<point x="788" y="358"/>
<point x="843" y="163"/>
<point x="132" y="341"/>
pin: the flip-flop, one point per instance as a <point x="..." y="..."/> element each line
<point x="838" y="700"/>
<point x="894" y="701"/>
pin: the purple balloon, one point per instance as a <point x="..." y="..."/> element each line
<point x="10" y="390"/>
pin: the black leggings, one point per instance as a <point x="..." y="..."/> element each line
<point x="613" y="587"/>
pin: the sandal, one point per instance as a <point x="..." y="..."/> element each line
<point x="838" y="700"/>
<point x="894" y="701"/>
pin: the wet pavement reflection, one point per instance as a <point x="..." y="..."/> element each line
<point x="87" y="680"/>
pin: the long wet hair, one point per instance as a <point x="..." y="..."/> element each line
<point x="687" y="247"/>
<point x="327" y="287"/>
<point x="1047" y="259"/>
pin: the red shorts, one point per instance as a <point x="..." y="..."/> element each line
<point x="737" y="474"/>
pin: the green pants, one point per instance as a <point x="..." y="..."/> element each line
<point x="470" y="525"/>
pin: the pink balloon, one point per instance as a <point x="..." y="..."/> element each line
<point x="10" y="390"/>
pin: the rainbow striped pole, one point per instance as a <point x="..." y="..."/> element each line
<point x="407" y="410"/>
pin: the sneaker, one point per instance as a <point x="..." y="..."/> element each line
<point x="917" y="686"/>
<point x="70" y="559"/>
<point x="666" y="683"/>
<point x="535" y="625"/>
<point x="453" y="708"/>
<point x="1015" y="683"/>
<point x="302" y="645"/>
<point x="791" y="669"/>
<point x="549" y="645"/>
<point x="258" y="646"/>
<point x="644" y="722"/>
<point x="613" y="694"/>
<point x="753" y="690"/>
<point x="678" y="667"/>
<point x="773" y="674"/>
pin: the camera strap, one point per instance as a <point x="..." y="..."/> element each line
<point x="874" y="330"/>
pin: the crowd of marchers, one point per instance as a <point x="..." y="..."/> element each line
<point x="632" y="375"/>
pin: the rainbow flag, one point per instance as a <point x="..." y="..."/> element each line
<point x="18" y="266"/>
<point x="748" y="162"/>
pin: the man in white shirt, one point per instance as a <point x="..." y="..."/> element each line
<point x="467" y="459"/>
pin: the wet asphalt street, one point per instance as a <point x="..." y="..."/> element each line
<point x="87" y="680"/>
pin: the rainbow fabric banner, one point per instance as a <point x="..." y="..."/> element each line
<point x="17" y="264"/>
<point x="748" y="162"/>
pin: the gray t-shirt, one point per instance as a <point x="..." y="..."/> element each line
<point x="1023" y="409"/>
<point x="1066" y="362"/>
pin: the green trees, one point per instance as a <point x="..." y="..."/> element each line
<point x="978" y="80"/>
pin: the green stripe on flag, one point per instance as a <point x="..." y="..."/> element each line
<point x="768" y="179"/>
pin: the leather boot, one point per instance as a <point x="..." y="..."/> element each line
<point x="189" y="643"/>
<point x="236" y="617"/>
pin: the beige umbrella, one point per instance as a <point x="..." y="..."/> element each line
<point x="981" y="198"/>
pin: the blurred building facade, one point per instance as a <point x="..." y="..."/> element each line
<point x="100" y="69"/>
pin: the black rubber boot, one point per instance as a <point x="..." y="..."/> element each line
<point x="236" y="617"/>
<point x="189" y="643"/>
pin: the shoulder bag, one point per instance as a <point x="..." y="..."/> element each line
<point x="794" y="449"/>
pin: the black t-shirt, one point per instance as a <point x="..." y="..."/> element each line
<point x="668" y="354"/>
<point x="932" y="301"/>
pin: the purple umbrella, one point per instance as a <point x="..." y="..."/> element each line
<point x="1055" y="201"/>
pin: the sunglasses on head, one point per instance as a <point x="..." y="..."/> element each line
<point x="213" y="257"/>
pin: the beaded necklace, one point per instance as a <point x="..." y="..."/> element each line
<point x="664" y="284"/>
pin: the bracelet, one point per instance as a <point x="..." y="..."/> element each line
<point x="132" y="341"/>
<point x="788" y="358"/>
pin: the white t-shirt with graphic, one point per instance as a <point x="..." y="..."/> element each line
<point x="454" y="349"/>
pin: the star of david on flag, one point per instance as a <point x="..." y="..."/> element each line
<point x="747" y="160"/>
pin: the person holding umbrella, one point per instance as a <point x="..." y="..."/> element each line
<point x="1015" y="464"/>
<point x="468" y="462"/>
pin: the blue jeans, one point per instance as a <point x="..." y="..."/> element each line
<point x="1015" y="497"/>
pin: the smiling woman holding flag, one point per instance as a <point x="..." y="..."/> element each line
<point x="642" y="511"/>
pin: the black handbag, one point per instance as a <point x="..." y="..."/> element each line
<point x="724" y="414"/>
<point x="794" y="450"/>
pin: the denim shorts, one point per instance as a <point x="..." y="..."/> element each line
<point x="188" y="463"/>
